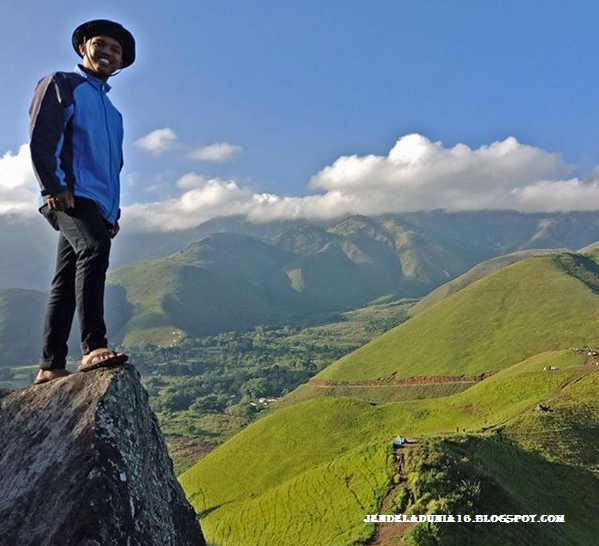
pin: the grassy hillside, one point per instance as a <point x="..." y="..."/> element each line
<point x="327" y="504"/>
<point x="481" y="448"/>
<point x="212" y="286"/>
<point x="477" y="272"/>
<point x="491" y="474"/>
<point x="294" y="438"/>
<point x="298" y="445"/>
<point x="568" y="432"/>
<point x="537" y="305"/>
<point x="380" y="394"/>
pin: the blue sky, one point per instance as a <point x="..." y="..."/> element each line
<point x="295" y="86"/>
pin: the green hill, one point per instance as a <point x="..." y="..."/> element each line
<point x="212" y="286"/>
<point x="331" y="452"/>
<point x="482" y="448"/>
<point x="22" y="321"/>
<point x="537" y="305"/>
<point x="300" y="272"/>
<point x="477" y="272"/>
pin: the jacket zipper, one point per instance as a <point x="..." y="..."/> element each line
<point x="110" y="171"/>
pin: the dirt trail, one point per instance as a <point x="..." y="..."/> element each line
<point x="391" y="534"/>
<point x="391" y="380"/>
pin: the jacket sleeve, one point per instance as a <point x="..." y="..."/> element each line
<point x="48" y="116"/>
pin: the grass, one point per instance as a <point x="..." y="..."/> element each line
<point x="477" y="272"/>
<point x="288" y="445"/>
<point x="375" y="395"/>
<point x="569" y="432"/>
<point x="489" y="474"/>
<point x="324" y="505"/>
<point x="493" y="393"/>
<point x="539" y="486"/>
<point x="522" y="310"/>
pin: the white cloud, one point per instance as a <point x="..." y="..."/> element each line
<point x="416" y="174"/>
<point x="558" y="195"/>
<point x="162" y="140"/>
<point x="158" y="141"/>
<point x="203" y="199"/>
<point x="191" y="180"/>
<point x="219" y="152"/>
<point x="18" y="185"/>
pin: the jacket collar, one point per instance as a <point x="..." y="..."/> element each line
<point x="96" y="82"/>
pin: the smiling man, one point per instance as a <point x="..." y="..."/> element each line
<point x="76" y="149"/>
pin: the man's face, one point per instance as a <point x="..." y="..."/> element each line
<point x="102" y="55"/>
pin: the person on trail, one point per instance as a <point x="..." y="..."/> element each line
<point x="76" y="149"/>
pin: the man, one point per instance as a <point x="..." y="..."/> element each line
<point x="76" y="150"/>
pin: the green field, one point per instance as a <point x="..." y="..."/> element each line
<point x="482" y="450"/>
<point x="326" y="503"/>
<point x="492" y="474"/>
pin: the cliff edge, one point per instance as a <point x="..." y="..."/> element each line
<point x="83" y="463"/>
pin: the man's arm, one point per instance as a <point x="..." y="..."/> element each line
<point x="49" y="114"/>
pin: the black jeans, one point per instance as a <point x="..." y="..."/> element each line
<point x="81" y="264"/>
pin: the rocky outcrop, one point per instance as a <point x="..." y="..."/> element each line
<point x="83" y="463"/>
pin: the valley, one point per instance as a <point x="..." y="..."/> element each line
<point x="282" y="364"/>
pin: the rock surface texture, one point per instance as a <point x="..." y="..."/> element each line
<point x="83" y="463"/>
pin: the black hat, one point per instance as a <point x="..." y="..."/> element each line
<point x="103" y="27"/>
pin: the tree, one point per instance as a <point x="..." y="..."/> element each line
<point x="254" y="388"/>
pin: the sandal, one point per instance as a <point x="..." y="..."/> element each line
<point x="101" y="358"/>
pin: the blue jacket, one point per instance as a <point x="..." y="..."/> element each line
<point x="77" y="139"/>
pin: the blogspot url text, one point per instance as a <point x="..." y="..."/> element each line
<point x="465" y="518"/>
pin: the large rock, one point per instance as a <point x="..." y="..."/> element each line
<point x="83" y="463"/>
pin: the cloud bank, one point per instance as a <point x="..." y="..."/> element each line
<point x="416" y="174"/>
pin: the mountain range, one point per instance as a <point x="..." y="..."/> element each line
<point x="473" y="236"/>
<point x="230" y="274"/>
<point x="303" y="272"/>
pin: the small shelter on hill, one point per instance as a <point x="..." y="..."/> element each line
<point x="398" y="441"/>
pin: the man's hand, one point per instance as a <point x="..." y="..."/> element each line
<point x="61" y="201"/>
<point x="114" y="230"/>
